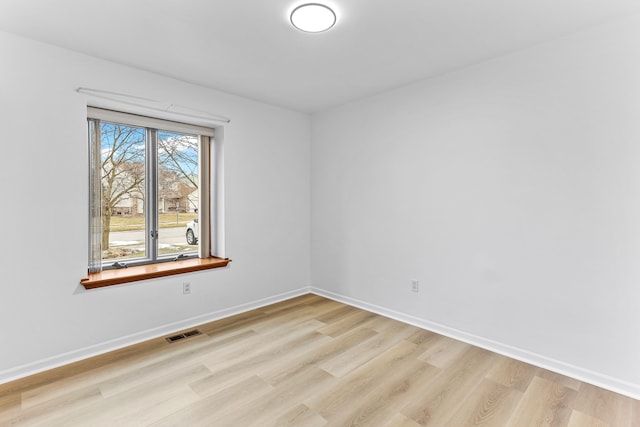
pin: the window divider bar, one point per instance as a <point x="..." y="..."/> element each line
<point x="151" y="214"/>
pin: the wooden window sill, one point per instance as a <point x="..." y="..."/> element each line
<point x="150" y="271"/>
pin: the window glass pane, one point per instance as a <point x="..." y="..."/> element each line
<point x="123" y="191"/>
<point x="178" y="195"/>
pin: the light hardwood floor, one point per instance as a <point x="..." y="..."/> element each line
<point x="311" y="362"/>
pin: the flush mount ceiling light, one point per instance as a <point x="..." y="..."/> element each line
<point x="313" y="18"/>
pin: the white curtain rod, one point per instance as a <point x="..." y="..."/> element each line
<point x="152" y="104"/>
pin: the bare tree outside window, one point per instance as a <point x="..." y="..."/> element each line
<point x="179" y="153"/>
<point x="123" y="174"/>
<point x="178" y="171"/>
<point x="177" y="183"/>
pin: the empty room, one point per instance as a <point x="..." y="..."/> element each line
<point x="328" y="213"/>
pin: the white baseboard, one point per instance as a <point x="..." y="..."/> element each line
<point x="610" y="383"/>
<point x="105" y="347"/>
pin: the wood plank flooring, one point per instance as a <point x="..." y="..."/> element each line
<point x="309" y="362"/>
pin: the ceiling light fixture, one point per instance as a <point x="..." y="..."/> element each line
<point x="313" y="18"/>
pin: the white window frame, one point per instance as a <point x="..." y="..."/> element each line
<point x="210" y="187"/>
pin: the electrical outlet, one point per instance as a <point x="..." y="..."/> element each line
<point x="186" y="287"/>
<point x="415" y="286"/>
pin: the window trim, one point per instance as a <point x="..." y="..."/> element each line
<point x="147" y="122"/>
<point x="151" y="271"/>
<point x="211" y="182"/>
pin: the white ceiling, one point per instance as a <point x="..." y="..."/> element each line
<point x="248" y="47"/>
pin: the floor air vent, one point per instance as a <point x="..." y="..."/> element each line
<point x="183" y="336"/>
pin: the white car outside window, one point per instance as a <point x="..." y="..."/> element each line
<point x="193" y="230"/>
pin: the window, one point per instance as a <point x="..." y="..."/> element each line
<point x="149" y="190"/>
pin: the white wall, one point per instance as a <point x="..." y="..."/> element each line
<point x="46" y="317"/>
<point x="510" y="189"/>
